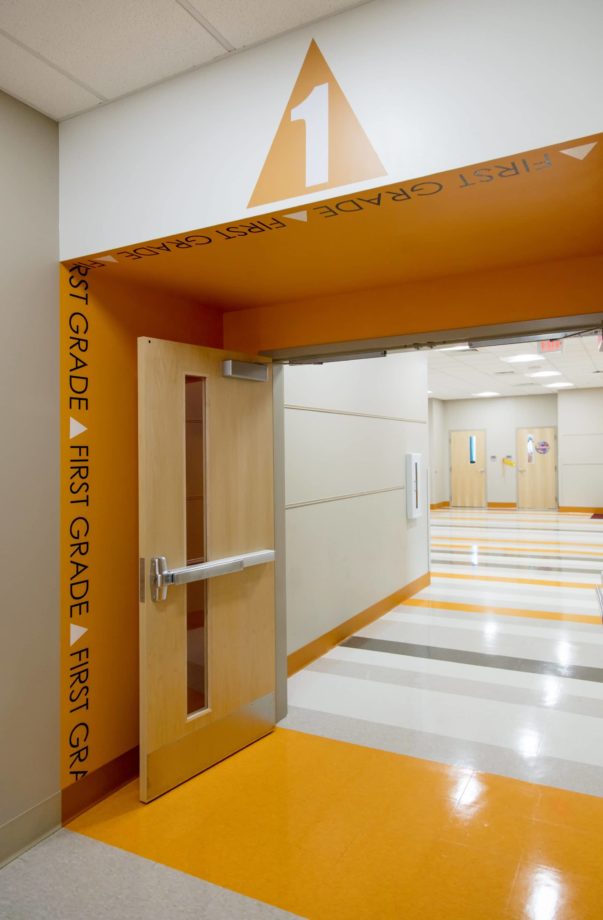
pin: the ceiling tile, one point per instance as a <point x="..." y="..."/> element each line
<point x="244" y="22"/>
<point x="455" y="375"/>
<point x="29" y="79"/>
<point x="113" y="47"/>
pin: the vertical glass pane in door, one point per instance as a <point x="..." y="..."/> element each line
<point x="196" y="607"/>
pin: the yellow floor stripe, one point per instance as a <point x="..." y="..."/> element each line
<point x="517" y="540"/>
<point x="519" y="549"/>
<point x="514" y="581"/>
<point x="336" y="831"/>
<point x="502" y="611"/>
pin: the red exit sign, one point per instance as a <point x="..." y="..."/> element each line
<point x="546" y="348"/>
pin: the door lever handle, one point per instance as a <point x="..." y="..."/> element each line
<point x="161" y="576"/>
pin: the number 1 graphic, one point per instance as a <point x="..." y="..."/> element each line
<point x="314" y="111"/>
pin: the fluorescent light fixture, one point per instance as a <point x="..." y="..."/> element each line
<point x="522" y="359"/>
<point x="486" y="393"/>
<point x="557" y="385"/>
<point x="545" y="374"/>
<point x="464" y="347"/>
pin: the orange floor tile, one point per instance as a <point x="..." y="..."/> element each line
<point x="326" y="829"/>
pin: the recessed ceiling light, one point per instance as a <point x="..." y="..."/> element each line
<point x="545" y="374"/>
<point x="464" y="347"/>
<point x="486" y="393"/>
<point x="558" y="384"/>
<point x="520" y="359"/>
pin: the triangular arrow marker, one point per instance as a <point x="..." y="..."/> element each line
<point x="297" y="215"/>
<point x="76" y="632"/>
<point x="75" y="428"/>
<point x="106" y="259"/>
<point x="319" y="142"/>
<point x="579" y="153"/>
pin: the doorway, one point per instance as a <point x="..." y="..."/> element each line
<point x="206" y="532"/>
<point x="537" y="468"/>
<point x="468" y="469"/>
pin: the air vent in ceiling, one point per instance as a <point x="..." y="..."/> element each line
<point x="502" y="373"/>
<point x="524" y="384"/>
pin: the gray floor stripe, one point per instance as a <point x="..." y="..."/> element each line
<point x="558" y="557"/>
<point x="459" y="686"/>
<point x="70" y="877"/>
<point x="481" y="659"/>
<point x="486" y="758"/>
<point x="513" y="565"/>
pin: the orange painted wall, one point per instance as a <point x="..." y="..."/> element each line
<point x="525" y="292"/>
<point x="507" y="215"/>
<point x="100" y="323"/>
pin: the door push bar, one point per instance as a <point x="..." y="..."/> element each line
<point x="162" y="577"/>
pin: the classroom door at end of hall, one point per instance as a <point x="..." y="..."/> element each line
<point x="467" y="469"/>
<point x="537" y="468"/>
<point x="207" y="611"/>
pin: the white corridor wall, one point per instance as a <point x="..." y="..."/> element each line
<point x="499" y="418"/>
<point x="435" y="85"/>
<point x="581" y="448"/>
<point x="348" y="427"/>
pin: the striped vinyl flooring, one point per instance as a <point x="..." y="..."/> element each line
<point x="492" y="674"/>
<point x="496" y="666"/>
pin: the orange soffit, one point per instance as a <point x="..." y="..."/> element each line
<point x="319" y="143"/>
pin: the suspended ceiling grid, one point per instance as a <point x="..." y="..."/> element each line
<point x="464" y="374"/>
<point x="68" y="56"/>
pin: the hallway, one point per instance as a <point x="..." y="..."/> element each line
<point x="497" y="666"/>
<point x="489" y="682"/>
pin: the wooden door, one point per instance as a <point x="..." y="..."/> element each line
<point x="467" y="469"/>
<point x="537" y="468"/>
<point x="207" y="656"/>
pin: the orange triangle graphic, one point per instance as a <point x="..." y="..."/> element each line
<point x="319" y="142"/>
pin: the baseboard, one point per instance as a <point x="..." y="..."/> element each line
<point x="437" y="505"/>
<point x="27" y="829"/>
<point x="579" y="509"/>
<point x="502" y="504"/>
<point x="97" y="785"/>
<point x="313" y="650"/>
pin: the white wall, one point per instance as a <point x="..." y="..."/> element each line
<point x="29" y="485"/>
<point x="499" y="418"/>
<point x="348" y="426"/>
<point x="438" y="452"/>
<point x="436" y="85"/>
<point x="581" y="448"/>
